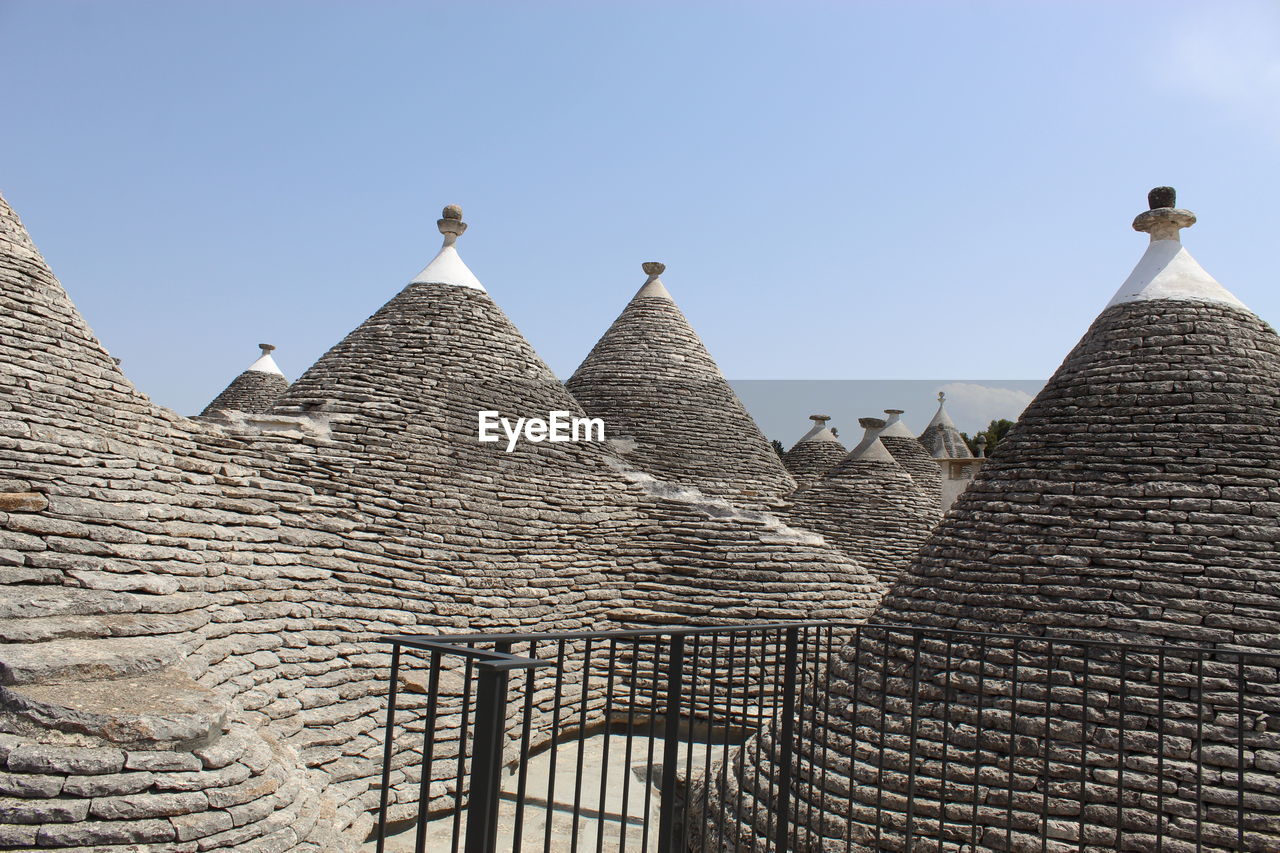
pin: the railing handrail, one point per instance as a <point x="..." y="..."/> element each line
<point x="437" y="641"/>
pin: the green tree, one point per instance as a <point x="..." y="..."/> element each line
<point x="777" y="447"/>
<point x="994" y="432"/>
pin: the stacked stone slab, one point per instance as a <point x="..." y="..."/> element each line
<point x="816" y="453"/>
<point x="668" y="407"/>
<point x="253" y="391"/>
<point x="123" y="721"/>
<point x="869" y="507"/>
<point x="941" y="438"/>
<point x="1135" y="500"/>
<point x="900" y="441"/>
<point x="189" y="608"/>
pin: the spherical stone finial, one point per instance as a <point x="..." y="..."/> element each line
<point x="981" y="440"/>
<point x="1162" y="197"/>
<point x="653" y="268"/>
<point x="820" y="419"/>
<point x="451" y="225"/>
<point x="266" y="348"/>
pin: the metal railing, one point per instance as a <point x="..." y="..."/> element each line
<point x="773" y="736"/>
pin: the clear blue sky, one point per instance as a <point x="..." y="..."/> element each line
<point x="839" y="190"/>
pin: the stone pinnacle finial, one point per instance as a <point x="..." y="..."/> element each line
<point x="894" y="411"/>
<point x="1163" y="221"/>
<point x="451" y="224"/>
<point x="266" y="348"/>
<point x="981" y="441"/>
<point x="942" y="397"/>
<point x="820" y="420"/>
<point x="871" y="423"/>
<point x="653" y="269"/>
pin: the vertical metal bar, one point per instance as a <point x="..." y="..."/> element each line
<point x="853" y="730"/>
<point x="1239" y="751"/>
<point x="1084" y="746"/>
<point x="695" y="673"/>
<point x="462" y="752"/>
<point x="555" y="737"/>
<point x="1013" y="746"/>
<point x="386" y="747"/>
<point x="977" y="749"/>
<point x="1124" y="690"/>
<point x="706" y="753"/>
<point x="604" y="762"/>
<point x="428" y="752"/>
<point x="1160" y="726"/>
<point x="1200" y="709"/>
<point x="824" y="661"/>
<point x="916" y="637"/>
<point x="486" y="761"/>
<point x="526" y="724"/>
<point x="757" y="720"/>
<point x="733" y="818"/>
<point x="1045" y="775"/>
<point x="786" y="754"/>
<point x="584" y="698"/>
<point x="946" y="737"/>
<point x="881" y="733"/>
<point x="671" y="746"/>
<point x="652" y="733"/>
<point x="631" y="733"/>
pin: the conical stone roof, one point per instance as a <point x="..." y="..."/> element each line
<point x="868" y="506"/>
<point x="1136" y="500"/>
<point x="817" y="451"/>
<point x="941" y="438"/>
<point x="659" y="391"/>
<point x="253" y="391"/>
<point x="362" y="505"/>
<point x="899" y="440"/>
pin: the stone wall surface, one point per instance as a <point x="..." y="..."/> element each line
<point x="191" y="608"/>
<point x="1136" y="501"/>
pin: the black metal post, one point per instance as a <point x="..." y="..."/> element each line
<point x="386" y="747"/>
<point x="786" y="753"/>
<point x="486" y="760"/>
<point x="670" y="747"/>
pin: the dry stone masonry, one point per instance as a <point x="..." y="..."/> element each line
<point x="669" y="407"/>
<point x="253" y="391"/>
<point x="816" y="453"/>
<point x="189" y="607"/>
<point x="869" y="507"/>
<point x="1137" y="499"/>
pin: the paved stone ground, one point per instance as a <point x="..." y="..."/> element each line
<point x="616" y="816"/>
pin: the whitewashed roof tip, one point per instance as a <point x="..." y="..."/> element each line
<point x="447" y="266"/>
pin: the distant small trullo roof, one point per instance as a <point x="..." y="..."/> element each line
<point x="651" y="379"/>
<point x="941" y="438"/>
<point x="899" y="440"/>
<point x="255" y="390"/>
<point x="815" y="453"/>
<point x="869" y="506"/>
